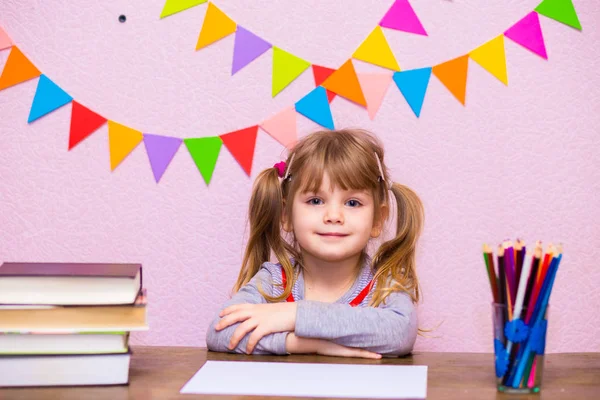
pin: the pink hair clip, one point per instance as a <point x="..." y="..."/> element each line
<point x="280" y="166"/>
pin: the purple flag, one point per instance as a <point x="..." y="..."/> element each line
<point x="161" y="150"/>
<point x="246" y="48"/>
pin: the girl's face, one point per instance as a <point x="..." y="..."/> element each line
<point x="333" y="225"/>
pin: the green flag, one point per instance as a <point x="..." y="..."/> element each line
<point x="174" y="6"/>
<point x="286" y="68"/>
<point x="561" y="11"/>
<point x="204" y="152"/>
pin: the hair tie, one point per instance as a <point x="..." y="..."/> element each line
<point x="280" y="167"/>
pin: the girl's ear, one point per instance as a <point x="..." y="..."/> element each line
<point x="285" y="221"/>
<point x="378" y="225"/>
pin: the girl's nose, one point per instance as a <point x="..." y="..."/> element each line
<point x="334" y="215"/>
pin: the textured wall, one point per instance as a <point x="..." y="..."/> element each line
<point x="516" y="161"/>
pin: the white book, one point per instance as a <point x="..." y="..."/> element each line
<point x="63" y="343"/>
<point x="64" y="370"/>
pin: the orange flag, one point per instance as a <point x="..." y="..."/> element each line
<point x="17" y="69"/>
<point x="121" y="140"/>
<point x="345" y="83"/>
<point x="216" y="26"/>
<point x="453" y="74"/>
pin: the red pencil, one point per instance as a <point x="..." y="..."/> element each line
<point x="539" y="282"/>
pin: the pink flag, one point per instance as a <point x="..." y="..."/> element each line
<point x="5" y="41"/>
<point x="374" y="87"/>
<point x="528" y="33"/>
<point x="282" y="127"/>
<point x="402" y="17"/>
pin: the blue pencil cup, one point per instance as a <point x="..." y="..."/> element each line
<point x="519" y="348"/>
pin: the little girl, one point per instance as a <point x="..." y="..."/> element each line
<point x="317" y="212"/>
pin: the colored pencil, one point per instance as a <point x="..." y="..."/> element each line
<point x="509" y="260"/>
<point x="502" y="297"/>
<point x="491" y="270"/>
<point x="519" y="254"/>
<point x="531" y="372"/>
<point x="539" y="282"/>
<point x="537" y="255"/>
<point x="539" y="315"/>
<point x="523" y="285"/>
<point x="513" y="355"/>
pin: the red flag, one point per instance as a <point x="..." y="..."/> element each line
<point x="83" y="123"/>
<point x="241" y="146"/>
<point x="321" y="74"/>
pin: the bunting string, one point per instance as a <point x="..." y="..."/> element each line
<point x="365" y="90"/>
<point x="288" y="67"/>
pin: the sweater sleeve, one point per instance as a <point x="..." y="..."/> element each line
<point x="390" y="329"/>
<point x="270" y="344"/>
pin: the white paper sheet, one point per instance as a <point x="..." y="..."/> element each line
<point x="309" y="380"/>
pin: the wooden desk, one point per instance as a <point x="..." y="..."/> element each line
<point x="160" y="372"/>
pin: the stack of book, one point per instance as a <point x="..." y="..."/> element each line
<point x="68" y="324"/>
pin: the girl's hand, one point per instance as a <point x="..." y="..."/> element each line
<point x="261" y="319"/>
<point x="297" y="345"/>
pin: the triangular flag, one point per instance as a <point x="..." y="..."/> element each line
<point x="174" y="6"/>
<point x="374" y="87"/>
<point x="48" y="97"/>
<point x="241" y="146"/>
<point x="215" y="27"/>
<point x="413" y="86"/>
<point x="492" y="57"/>
<point x="528" y="33"/>
<point x="345" y="83"/>
<point x="17" y="69"/>
<point x="121" y="140"/>
<point x="160" y="150"/>
<point x="453" y="74"/>
<point x="320" y="74"/>
<point x="375" y="50"/>
<point x="246" y="48"/>
<point x="83" y="123"/>
<point x="282" y="127"/>
<point x="315" y="107"/>
<point x="286" y="68"/>
<point x="561" y="11"/>
<point x="402" y="17"/>
<point x="5" y="41"/>
<point x="204" y="152"/>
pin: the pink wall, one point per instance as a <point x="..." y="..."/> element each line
<point x="516" y="161"/>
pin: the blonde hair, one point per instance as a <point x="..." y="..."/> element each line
<point x="350" y="158"/>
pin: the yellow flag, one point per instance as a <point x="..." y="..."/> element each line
<point x="492" y="57"/>
<point x="121" y="141"/>
<point x="216" y="26"/>
<point x="375" y="50"/>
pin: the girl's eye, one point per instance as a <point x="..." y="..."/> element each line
<point x="353" y="203"/>
<point x="314" y="201"/>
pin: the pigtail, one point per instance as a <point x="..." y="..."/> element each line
<point x="264" y="215"/>
<point x="394" y="262"/>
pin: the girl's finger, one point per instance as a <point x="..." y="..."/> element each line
<point x="254" y="338"/>
<point x="241" y="331"/>
<point x="367" y="354"/>
<point x="231" y="319"/>
<point x="228" y="310"/>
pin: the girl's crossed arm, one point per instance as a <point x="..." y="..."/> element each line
<point x="220" y="339"/>
<point x="248" y="324"/>
<point x="389" y="329"/>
